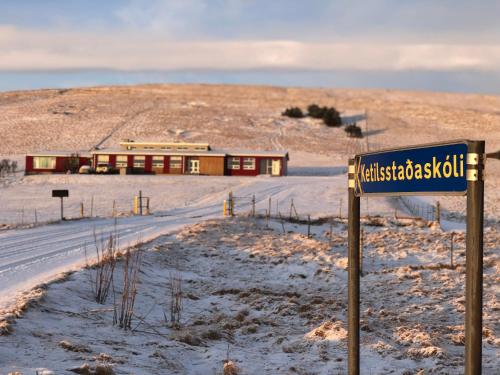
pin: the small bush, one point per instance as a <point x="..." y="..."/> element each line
<point x="315" y="111"/>
<point x="294" y="112"/>
<point x="354" y="131"/>
<point x="332" y="117"/>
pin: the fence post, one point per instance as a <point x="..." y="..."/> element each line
<point x="438" y="212"/>
<point x="253" y="205"/>
<point x="451" y="250"/>
<point x="308" y="226"/>
<point x="331" y="230"/>
<point x="231" y="204"/>
<point x="140" y="202"/>
<point x="147" y="205"/>
<point x="269" y="209"/>
<point x="92" y="206"/>
<point x="114" y="208"/>
<point x="81" y="210"/>
<point x="224" y="208"/>
<point x="282" y="222"/>
<point x="36" y="218"/>
<point x="136" y="205"/>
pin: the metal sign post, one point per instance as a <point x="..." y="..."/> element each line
<point x="453" y="168"/>
<point x="60" y="194"/>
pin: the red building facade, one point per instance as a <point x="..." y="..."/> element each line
<point x="164" y="158"/>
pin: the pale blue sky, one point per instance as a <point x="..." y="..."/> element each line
<point x="436" y="45"/>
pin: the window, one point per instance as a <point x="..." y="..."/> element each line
<point x="121" y="161"/>
<point x="249" y="163"/>
<point x="157" y="161"/>
<point x="176" y="162"/>
<point x="44" y="162"/>
<point x="233" y="163"/>
<point x="139" y="161"/>
<point x="102" y="159"/>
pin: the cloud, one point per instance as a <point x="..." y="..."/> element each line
<point x="28" y="49"/>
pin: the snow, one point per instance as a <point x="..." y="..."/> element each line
<point x="258" y="294"/>
<point x="269" y="302"/>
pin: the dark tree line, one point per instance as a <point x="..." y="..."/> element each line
<point x="329" y="115"/>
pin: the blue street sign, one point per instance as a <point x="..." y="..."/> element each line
<point x="431" y="169"/>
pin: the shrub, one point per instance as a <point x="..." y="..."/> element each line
<point x="124" y="307"/>
<point x="294" y="112"/>
<point x="72" y="163"/>
<point x="354" y="131"/>
<point x="332" y="117"/>
<point x="315" y="111"/>
<point x="101" y="275"/>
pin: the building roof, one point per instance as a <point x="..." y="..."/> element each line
<point x="82" y="154"/>
<point x="277" y="154"/>
<point x="121" y="151"/>
<point x="249" y="153"/>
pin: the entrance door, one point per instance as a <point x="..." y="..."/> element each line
<point x="194" y="166"/>
<point x="276" y="168"/>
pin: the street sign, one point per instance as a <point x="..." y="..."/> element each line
<point x="429" y="169"/>
<point x="455" y="168"/>
<point x="60" y="193"/>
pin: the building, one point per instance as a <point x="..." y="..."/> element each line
<point x="56" y="162"/>
<point x="171" y="158"/>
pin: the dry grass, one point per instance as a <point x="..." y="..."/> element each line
<point x="124" y="307"/>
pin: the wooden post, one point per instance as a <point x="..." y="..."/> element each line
<point x="114" y="208"/>
<point x="438" y="212"/>
<point x="22" y="216"/>
<point x="308" y="226"/>
<point x="340" y="208"/>
<point x="92" y="206"/>
<point x="269" y="209"/>
<point x="451" y="249"/>
<point x="36" y="217"/>
<point x="282" y="222"/>
<point x="267" y="219"/>
<point x="353" y="276"/>
<point x="331" y="230"/>
<point x="253" y="205"/>
<point x="140" y="202"/>
<point x="147" y="205"/>
<point x="474" y="258"/>
<point x="291" y="207"/>
<point x="224" y="208"/>
<point x="81" y="210"/>
<point x="231" y="204"/>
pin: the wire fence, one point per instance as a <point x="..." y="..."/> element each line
<point x="88" y="207"/>
<point x="421" y="209"/>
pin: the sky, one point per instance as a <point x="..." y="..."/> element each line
<point x="438" y="45"/>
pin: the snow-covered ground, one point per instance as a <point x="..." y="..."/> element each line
<point x="292" y="288"/>
<point x="270" y="302"/>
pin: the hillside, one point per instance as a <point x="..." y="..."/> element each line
<point x="238" y="116"/>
